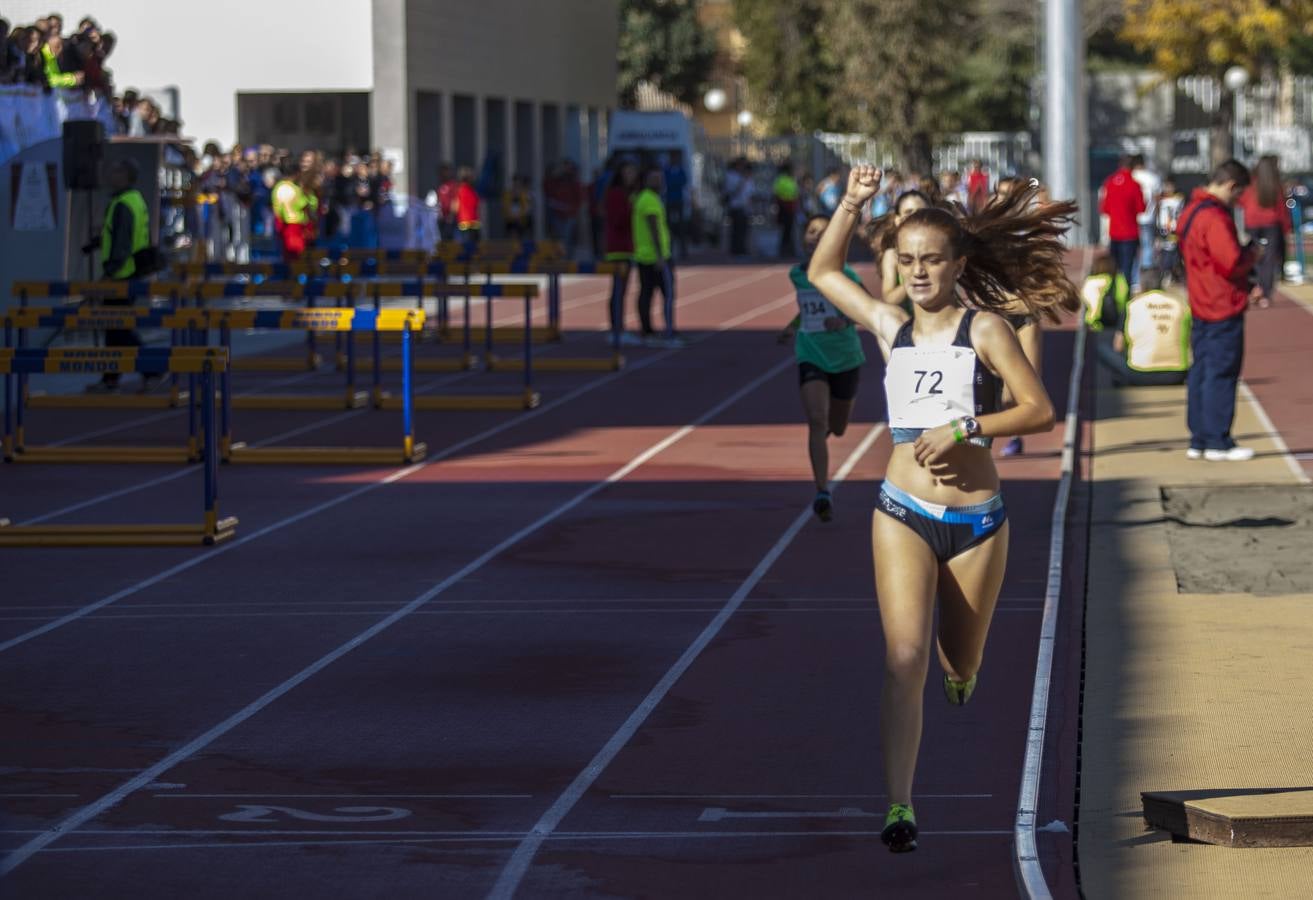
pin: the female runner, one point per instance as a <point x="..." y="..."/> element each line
<point x="830" y="360"/>
<point x="940" y="525"/>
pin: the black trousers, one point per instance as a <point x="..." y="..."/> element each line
<point x="1268" y="269"/>
<point x="650" y="278"/>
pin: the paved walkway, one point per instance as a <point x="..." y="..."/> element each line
<point x="1192" y="691"/>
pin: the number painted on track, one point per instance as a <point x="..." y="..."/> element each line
<point x="269" y="814"/>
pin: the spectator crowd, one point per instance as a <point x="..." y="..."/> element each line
<point x="41" y="55"/>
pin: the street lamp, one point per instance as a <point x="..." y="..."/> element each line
<point x="745" y="118"/>
<point x="1235" y="80"/>
<point x="714" y="100"/>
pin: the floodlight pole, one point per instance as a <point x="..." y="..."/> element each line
<point x="1066" y="145"/>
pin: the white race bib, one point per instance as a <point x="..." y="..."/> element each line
<point x="815" y="309"/>
<point x="926" y="387"/>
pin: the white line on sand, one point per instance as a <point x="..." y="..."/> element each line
<point x="149" y="775"/>
<point x="1274" y="435"/>
<point x="518" y="865"/>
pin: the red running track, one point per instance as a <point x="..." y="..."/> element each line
<point x="393" y="676"/>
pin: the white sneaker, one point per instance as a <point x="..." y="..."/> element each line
<point x="1235" y="454"/>
<point x="629" y="339"/>
<point x="1194" y="453"/>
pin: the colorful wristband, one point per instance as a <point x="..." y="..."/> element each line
<point x="959" y="435"/>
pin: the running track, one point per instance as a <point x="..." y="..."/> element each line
<point x="597" y="650"/>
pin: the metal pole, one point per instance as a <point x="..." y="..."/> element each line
<point x="1065" y="148"/>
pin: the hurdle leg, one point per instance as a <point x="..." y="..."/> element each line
<point x="310" y="346"/>
<point x="554" y="304"/>
<point x="619" y="281"/>
<point x="668" y="295"/>
<point x="407" y="394"/>
<point x="487" y="321"/>
<point x="378" y="349"/>
<point x="351" y="366"/>
<point x="469" y="334"/>
<point x="226" y="402"/>
<point x="211" y="456"/>
<point x="7" y="441"/>
<point x="528" y="353"/>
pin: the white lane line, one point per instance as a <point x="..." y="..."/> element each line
<point x="172" y="796"/>
<point x="696" y="297"/>
<point x="518" y="865"/>
<point x="444" y="380"/>
<point x="919" y="796"/>
<point x="169" y="413"/>
<point x="20" y="855"/>
<point x="193" y="470"/>
<point x="474" y="837"/>
<point x="432" y="459"/>
<point x="528" y="611"/>
<point x="1025" y="848"/>
<point x="1274" y="435"/>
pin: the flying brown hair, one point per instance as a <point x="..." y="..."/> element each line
<point x="1014" y="252"/>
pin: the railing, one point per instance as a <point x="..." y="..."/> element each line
<point x="31" y="115"/>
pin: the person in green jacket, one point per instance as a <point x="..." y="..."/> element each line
<point x="830" y="360"/>
<point x="55" y="76"/>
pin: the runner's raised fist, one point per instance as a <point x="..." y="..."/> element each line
<point x="863" y="182"/>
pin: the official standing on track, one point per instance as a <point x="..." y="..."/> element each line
<point x="295" y="206"/>
<point x="123" y="237"/>
<point x="940" y="526"/>
<point x="652" y="256"/>
<point x="1216" y="280"/>
<point x="830" y="360"/>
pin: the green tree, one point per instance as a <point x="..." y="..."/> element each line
<point x="901" y="64"/>
<point x="787" y="64"/>
<point x="663" y="43"/>
<point x="1206" y="37"/>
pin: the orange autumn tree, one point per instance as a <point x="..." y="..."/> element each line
<point x="1207" y="37"/>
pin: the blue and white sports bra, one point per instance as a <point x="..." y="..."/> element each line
<point x="926" y="387"/>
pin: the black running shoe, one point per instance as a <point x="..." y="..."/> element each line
<point x="899" y="833"/>
<point x="823" y="506"/>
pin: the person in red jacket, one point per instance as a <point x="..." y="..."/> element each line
<point x="1267" y="220"/>
<point x="1122" y="202"/>
<point x="617" y="207"/>
<point x="1216" y="280"/>
<point x="468" y="223"/>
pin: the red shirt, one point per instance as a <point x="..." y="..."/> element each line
<point x="1216" y="267"/>
<point x="619" y="228"/>
<point x="467" y="205"/>
<point x="977" y="189"/>
<point x="1257" y="216"/>
<point x="1122" y="202"/>
<point x="447" y="199"/>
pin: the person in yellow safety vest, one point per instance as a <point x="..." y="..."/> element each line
<point x="1105" y="290"/>
<point x="294" y="209"/>
<point x="125" y="234"/>
<point x="785" y="190"/>
<point x="1150" y="340"/>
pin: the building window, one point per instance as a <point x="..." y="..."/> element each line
<point x="321" y="115"/>
<point x="287" y="118"/>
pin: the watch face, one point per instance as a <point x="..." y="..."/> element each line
<point x="970" y="426"/>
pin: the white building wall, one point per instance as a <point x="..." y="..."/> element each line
<point x="211" y="51"/>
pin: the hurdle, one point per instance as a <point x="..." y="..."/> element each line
<point x="89" y="291"/>
<point x="310" y="290"/>
<point x="528" y="398"/>
<point x="349" y="321"/>
<point x="202" y="361"/>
